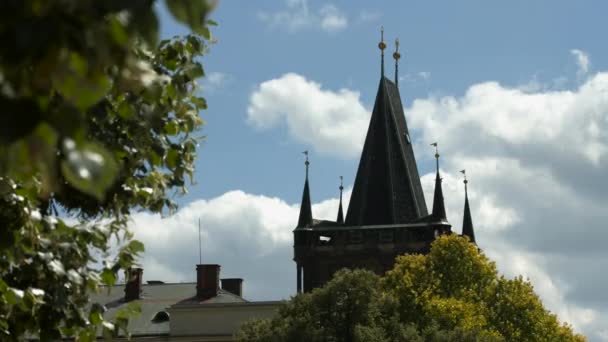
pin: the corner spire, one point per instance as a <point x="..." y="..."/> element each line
<point x="340" y="219"/>
<point x="382" y="46"/>
<point x="396" y="56"/>
<point x="467" y="221"/>
<point x="438" y="204"/>
<point x="305" y="219"/>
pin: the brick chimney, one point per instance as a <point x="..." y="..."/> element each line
<point x="207" y="281"/>
<point x="133" y="278"/>
<point x="233" y="285"/>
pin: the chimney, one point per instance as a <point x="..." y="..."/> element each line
<point x="233" y="285"/>
<point x="207" y="281"/>
<point x="133" y="278"/>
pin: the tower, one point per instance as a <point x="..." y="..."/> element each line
<point x="387" y="214"/>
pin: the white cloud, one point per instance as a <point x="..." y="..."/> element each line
<point x="333" y="122"/>
<point x="249" y="235"/>
<point x="536" y="160"/>
<point x="421" y="76"/>
<point x="573" y="122"/>
<point x="332" y="19"/>
<point x="296" y="16"/>
<point x="215" y="80"/>
<point x="582" y="60"/>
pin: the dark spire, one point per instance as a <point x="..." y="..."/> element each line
<point x="382" y="46"/>
<point x="438" y="204"/>
<point x="387" y="187"/>
<point x="340" y="219"/>
<point x="467" y="221"/>
<point x="396" y="56"/>
<point x="305" y="219"/>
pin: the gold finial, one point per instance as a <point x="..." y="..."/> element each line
<point x="396" y="55"/>
<point x="382" y="45"/>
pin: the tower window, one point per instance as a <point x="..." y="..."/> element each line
<point x="324" y="240"/>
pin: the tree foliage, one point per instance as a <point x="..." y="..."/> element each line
<point x="97" y="118"/>
<point x="452" y="294"/>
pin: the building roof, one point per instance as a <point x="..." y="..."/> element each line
<point x="387" y="187"/>
<point x="154" y="299"/>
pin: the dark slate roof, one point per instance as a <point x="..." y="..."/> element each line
<point x="154" y="298"/>
<point x="305" y="219"/>
<point x="387" y="187"/>
<point x="467" y="221"/>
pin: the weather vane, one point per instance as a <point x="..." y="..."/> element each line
<point x="306" y="162"/>
<point x="382" y="46"/>
<point x="436" y="150"/>
<point x="464" y="173"/>
<point x="396" y="56"/>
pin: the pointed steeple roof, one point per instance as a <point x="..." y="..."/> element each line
<point x="467" y="221"/>
<point x="387" y="187"/>
<point x="340" y="218"/>
<point x="438" y="204"/>
<point x="305" y="219"/>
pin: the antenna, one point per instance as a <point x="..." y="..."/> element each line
<point x="200" y="251"/>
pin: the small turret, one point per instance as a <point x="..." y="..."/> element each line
<point x="467" y="221"/>
<point x="438" y="204"/>
<point x="340" y="218"/>
<point x="305" y="219"/>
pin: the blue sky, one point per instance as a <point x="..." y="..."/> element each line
<point x="515" y="92"/>
<point x="457" y="43"/>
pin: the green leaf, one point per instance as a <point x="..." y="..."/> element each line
<point x="191" y="13"/>
<point x="194" y="71"/>
<point x="80" y="85"/>
<point x="205" y="32"/>
<point x="108" y="277"/>
<point x="172" y="128"/>
<point x="125" y="110"/>
<point x="172" y="156"/>
<point x="90" y="168"/>
<point x="136" y="247"/>
<point x="199" y="102"/>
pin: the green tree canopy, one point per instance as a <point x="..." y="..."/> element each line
<point x="97" y="118"/>
<point x="452" y="294"/>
